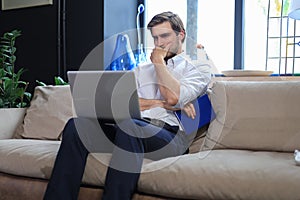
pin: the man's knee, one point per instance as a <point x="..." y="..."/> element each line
<point x="67" y="132"/>
<point x="71" y="128"/>
<point x="132" y="128"/>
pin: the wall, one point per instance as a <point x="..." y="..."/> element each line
<point x="47" y="53"/>
<point x="40" y="48"/>
<point x="120" y="17"/>
<point x="84" y="30"/>
<point x="37" y="46"/>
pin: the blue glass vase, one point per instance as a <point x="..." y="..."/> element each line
<point x="123" y="58"/>
<point x="140" y="56"/>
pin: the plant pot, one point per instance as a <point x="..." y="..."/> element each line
<point x="10" y="119"/>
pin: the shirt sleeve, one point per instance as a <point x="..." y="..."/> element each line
<point x="196" y="78"/>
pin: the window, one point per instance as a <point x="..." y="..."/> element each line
<point x="276" y="37"/>
<point x="270" y="40"/>
<point x="216" y="31"/>
<point x="255" y="34"/>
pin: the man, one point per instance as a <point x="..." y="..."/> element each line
<point x="168" y="83"/>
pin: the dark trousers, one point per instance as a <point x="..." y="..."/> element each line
<point x="129" y="142"/>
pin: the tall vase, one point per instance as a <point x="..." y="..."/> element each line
<point x="123" y="58"/>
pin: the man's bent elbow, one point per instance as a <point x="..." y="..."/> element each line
<point x="172" y="101"/>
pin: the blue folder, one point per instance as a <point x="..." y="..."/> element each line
<point x="204" y="115"/>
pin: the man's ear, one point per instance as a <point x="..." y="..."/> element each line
<point x="181" y="35"/>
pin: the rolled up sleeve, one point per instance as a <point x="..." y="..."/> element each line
<point x="195" y="78"/>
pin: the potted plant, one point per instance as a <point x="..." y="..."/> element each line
<point x="13" y="96"/>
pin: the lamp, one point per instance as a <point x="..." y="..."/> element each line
<point x="294" y="11"/>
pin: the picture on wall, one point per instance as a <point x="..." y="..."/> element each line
<point x="14" y="4"/>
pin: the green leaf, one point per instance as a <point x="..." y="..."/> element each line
<point x="8" y="68"/>
<point x="16" y="33"/>
<point x="19" y="91"/>
<point x="13" y="50"/>
<point x="22" y="83"/>
<point x="59" y="81"/>
<point x="2" y="72"/>
<point x="7" y="56"/>
<point x="27" y="95"/>
<point x="7" y="83"/>
<point x="41" y="83"/>
<point x="12" y="59"/>
<point x="1" y="103"/>
<point x="10" y="50"/>
<point x="7" y="36"/>
<point x="5" y="47"/>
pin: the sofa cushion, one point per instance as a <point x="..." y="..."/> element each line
<point x="218" y="174"/>
<point x="51" y="107"/>
<point x="198" y="140"/>
<point x="35" y="158"/>
<point x="10" y="119"/>
<point x="223" y="174"/>
<point x="26" y="157"/>
<point x="255" y="115"/>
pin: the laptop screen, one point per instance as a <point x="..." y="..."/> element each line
<point x="106" y="95"/>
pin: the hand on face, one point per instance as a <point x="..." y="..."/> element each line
<point x="159" y="54"/>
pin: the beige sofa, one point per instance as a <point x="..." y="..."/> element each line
<point x="246" y="152"/>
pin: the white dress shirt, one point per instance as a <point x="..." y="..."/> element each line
<point x="193" y="75"/>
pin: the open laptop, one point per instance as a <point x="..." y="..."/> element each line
<point x="107" y="95"/>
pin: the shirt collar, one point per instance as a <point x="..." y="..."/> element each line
<point x="174" y="61"/>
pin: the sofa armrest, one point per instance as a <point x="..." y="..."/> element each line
<point x="10" y="119"/>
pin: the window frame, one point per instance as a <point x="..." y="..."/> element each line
<point x="239" y="21"/>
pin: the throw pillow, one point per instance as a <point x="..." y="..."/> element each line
<point x="51" y="107"/>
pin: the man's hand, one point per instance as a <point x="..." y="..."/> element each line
<point x="146" y="104"/>
<point x="200" y="46"/>
<point x="158" y="55"/>
<point x="190" y="111"/>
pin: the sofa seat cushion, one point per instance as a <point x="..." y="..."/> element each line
<point x="35" y="158"/>
<point x="32" y="158"/>
<point x="224" y="174"/>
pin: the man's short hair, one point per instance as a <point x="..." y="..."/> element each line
<point x="170" y="17"/>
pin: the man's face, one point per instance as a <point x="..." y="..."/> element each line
<point x="165" y="37"/>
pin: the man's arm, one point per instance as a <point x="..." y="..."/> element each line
<point x="169" y="87"/>
<point x="196" y="79"/>
<point x="146" y="104"/>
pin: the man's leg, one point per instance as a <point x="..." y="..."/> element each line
<point x="69" y="166"/>
<point x="71" y="159"/>
<point x="133" y="139"/>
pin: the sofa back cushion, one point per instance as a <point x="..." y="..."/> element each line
<point x="255" y="116"/>
<point x="51" y="107"/>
